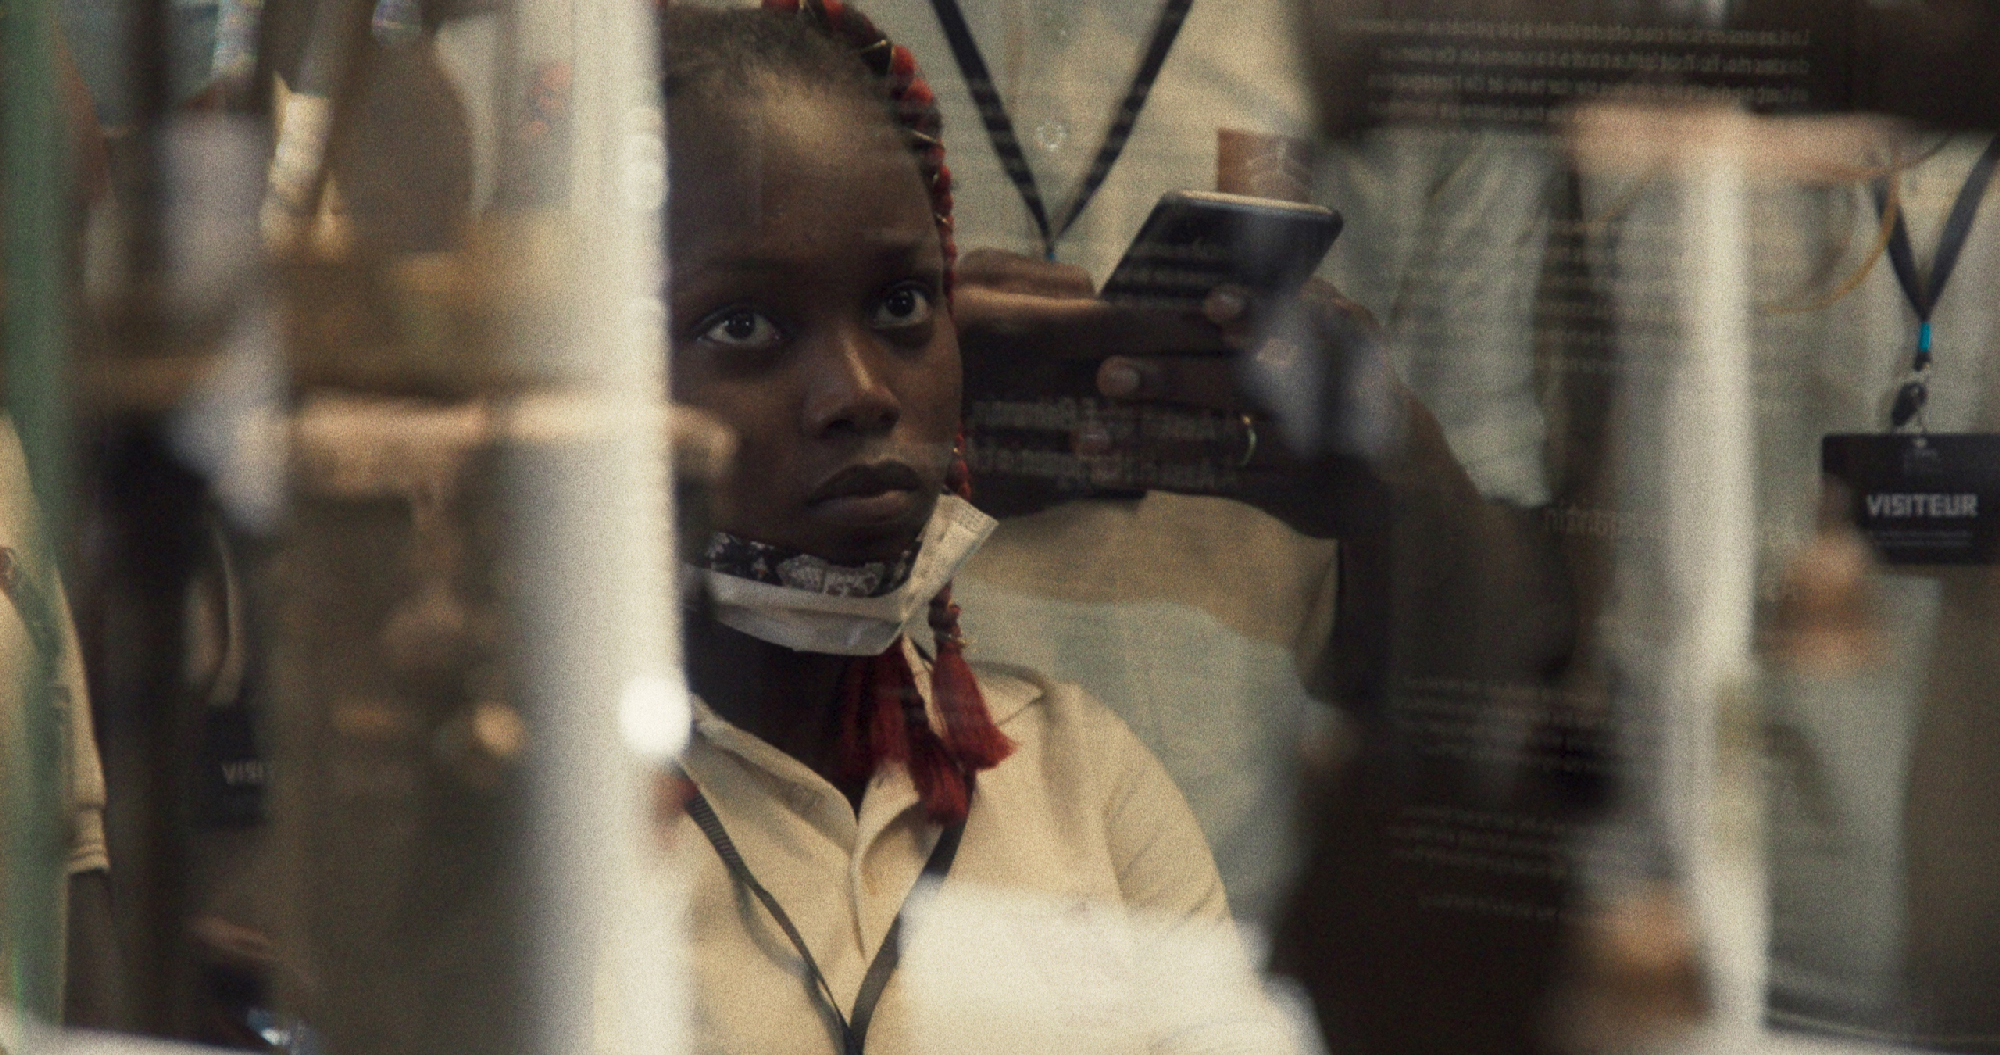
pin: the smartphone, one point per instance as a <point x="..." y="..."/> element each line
<point x="1195" y="241"/>
<point x="1036" y="430"/>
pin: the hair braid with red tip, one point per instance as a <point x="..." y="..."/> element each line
<point x="968" y="730"/>
<point x="883" y="717"/>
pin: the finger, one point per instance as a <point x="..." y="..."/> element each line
<point x="1123" y="378"/>
<point x="1074" y="327"/>
<point x="1227" y="306"/>
<point x="1013" y="273"/>
<point x="1196" y="381"/>
<point x="1238" y="313"/>
<point x="1247" y="319"/>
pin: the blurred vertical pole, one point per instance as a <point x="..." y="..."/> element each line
<point x="604" y="689"/>
<point x="150" y="507"/>
<point x="33" y="180"/>
<point x="148" y="46"/>
<point x="1710" y="548"/>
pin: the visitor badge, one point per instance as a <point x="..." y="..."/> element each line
<point x="1921" y="498"/>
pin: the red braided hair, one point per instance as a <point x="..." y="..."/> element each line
<point x="883" y="717"/>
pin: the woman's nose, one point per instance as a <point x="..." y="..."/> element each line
<point x="849" y="390"/>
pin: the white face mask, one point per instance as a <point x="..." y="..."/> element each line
<point x="813" y="621"/>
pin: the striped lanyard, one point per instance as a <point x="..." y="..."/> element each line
<point x="1000" y="127"/>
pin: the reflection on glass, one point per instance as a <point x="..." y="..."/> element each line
<point x="1561" y="606"/>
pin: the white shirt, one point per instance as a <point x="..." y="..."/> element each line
<point x="1445" y="229"/>
<point x="1062" y="67"/>
<point x="1079" y="814"/>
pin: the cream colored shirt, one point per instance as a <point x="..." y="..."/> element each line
<point x="1193" y="618"/>
<point x="1079" y="814"/>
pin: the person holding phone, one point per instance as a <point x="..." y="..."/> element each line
<point x="846" y="757"/>
<point x="1216" y="623"/>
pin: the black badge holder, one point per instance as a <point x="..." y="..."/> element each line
<point x="1921" y="499"/>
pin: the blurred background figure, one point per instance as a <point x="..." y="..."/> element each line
<point x="1226" y="627"/>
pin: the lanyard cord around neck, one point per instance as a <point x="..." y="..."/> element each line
<point x="1923" y="295"/>
<point x="853" y="1031"/>
<point x="1000" y="127"/>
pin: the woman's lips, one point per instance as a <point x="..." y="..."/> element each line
<point x="866" y="481"/>
<point x="883" y="491"/>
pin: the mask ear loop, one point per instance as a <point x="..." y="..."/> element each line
<point x="968" y="728"/>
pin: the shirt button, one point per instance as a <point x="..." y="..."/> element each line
<point x="1051" y="134"/>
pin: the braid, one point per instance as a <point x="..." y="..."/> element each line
<point x="911" y="100"/>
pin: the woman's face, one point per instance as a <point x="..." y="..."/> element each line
<point x="808" y="314"/>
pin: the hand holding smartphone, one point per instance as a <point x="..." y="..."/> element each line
<point x="1036" y="417"/>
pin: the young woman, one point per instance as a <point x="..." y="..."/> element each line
<point x="836" y="757"/>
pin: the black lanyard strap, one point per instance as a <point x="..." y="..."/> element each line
<point x="1923" y="295"/>
<point x="853" y="1031"/>
<point x="1000" y="126"/>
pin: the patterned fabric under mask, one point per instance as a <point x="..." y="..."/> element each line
<point x="808" y="604"/>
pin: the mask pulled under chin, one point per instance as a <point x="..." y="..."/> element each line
<point x="809" y="621"/>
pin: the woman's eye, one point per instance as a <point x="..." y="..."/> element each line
<point x="904" y="306"/>
<point x="741" y="328"/>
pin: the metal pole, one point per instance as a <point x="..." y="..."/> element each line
<point x="1710" y="550"/>
<point x="605" y="692"/>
